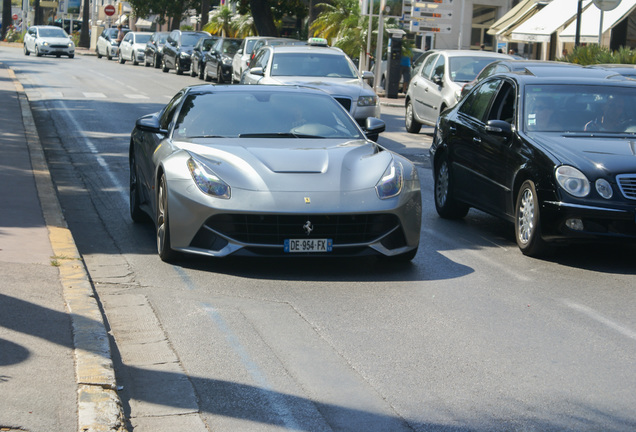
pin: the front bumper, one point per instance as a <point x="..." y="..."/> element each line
<point x="391" y="228"/>
<point x="592" y="222"/>
<point x="56" y="50"/>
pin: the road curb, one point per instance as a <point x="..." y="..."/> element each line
<point x="99" y="405"/>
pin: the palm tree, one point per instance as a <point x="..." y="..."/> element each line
<point x="243" y="25"/>
<point x="220" y="22"/>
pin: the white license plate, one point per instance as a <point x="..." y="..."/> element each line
<point x="308" y="245"/>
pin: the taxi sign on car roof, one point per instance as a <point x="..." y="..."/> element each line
<point x="316" y="41"/>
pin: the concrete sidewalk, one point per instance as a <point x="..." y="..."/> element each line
<point x="56" y="372"/>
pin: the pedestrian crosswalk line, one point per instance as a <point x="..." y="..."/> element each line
<point x="94" y="95"/>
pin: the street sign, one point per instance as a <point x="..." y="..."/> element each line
<point x="109" y="10"/>
<point x="417" y="26"/>
<point x="606" y="5"/>
<point x="14" y="16"/>
<point x="417" y="12"/>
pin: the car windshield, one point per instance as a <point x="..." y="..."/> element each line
<point x="263" y="114"/>
<point x="580" y="108"/>
<point x="189" y="39"/>
<point x="53" y="32"/>
<point x="142" y="38"/>
<point x="231" y="46"/>
<point x="208" y="43"/>
<point x="311" y="64"/>
<point x="465" y="69"/>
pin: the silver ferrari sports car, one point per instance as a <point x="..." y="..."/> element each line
<point x="270" y="171"/>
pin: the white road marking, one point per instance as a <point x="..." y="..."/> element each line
<point x="591" y="313"/>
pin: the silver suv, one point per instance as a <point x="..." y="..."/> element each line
<point x="320" y="66"/>
<point x="437" y="83"/>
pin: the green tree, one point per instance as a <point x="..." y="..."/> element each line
<point x="221" y="22"/>
<point x="342" y="24"/>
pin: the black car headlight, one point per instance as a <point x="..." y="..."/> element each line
<point x="227" y="60"/>
<point x="185" y="55"/>
<point x="207" y="181"/>
<point x="392" y="181"/>
<point x="573" y="181"/>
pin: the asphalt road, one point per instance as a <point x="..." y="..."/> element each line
<point x="471" y="336"/>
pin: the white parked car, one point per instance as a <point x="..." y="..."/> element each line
<point x="48" y="40"/>
<point x="107" y="44"/>
<point x="133" y="46"/>
<point x="320" y="66"/>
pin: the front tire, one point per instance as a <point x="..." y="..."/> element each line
<point x="164" y="248"/>
<point x="37" y="51"/>
<point x="99" y="55"/>
<point x="445" y="203"/>
<point x="219" y="75"/>
<point x="133" y="57"/>
<point x="528" y="221"/>
<point x="206" y="74"/>
<point x="136" y="213"/>
<point x="412" y="125"/>
<point x="26" y="50"/>
<point x="164" y="67"/>
<point x="120" y="57"/>
<point x="177" y="67"/>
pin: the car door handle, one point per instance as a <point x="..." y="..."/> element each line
<point x="477" y="140"/>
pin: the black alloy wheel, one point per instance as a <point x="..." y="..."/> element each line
<point x="445" y="204"/>
<point x="528" y="221"/>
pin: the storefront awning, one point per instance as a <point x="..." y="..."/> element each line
<point x="143" y="23"/>
<point x="515" y="16"/>
<point x="122" y="20"/>
<point x="539" y="28"/>
<point x="591" y="20"/>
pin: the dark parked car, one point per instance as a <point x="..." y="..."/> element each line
<point x="218" y="61"/>
<point x="543" y="67"/>
<point x="628" y="70"/>
<point x="552" y="155"/>
<point x="198" y="52"/>
<point x="177" y="50"/>
<point x="154" y="48"/>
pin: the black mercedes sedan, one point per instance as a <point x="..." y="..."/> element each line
<point x="554" y="155"/>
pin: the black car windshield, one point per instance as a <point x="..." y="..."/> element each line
<point x="580" y="108"/>
<point x="465" y="69"/>
<point x="231" y="46"/>
<point x="263" y="114"/>
<point x="310" y="64"/>
<point x="207" y="44"/>
<point x="53" y="33"/>
<point x="190" y="39"/>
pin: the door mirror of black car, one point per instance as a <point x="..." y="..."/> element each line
<point x="374" y="127"/>
<point x="499" y="127"/>
<point x="150" y="123"/>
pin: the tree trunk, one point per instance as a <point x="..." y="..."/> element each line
<point x="205" y="12"/>
<point x="6" y="18"/>
<point x="85" y="39"/>
<point x="263" y="19"/>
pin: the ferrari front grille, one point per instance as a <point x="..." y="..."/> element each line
<point x="275" y="229"/>
<point x="627" y="185"/>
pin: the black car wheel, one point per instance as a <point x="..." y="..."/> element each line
<point x="156" y="62"/>
<point x="164" y="67"/>
<point x="412" y="125"/>
<point x="193" y="73"/>
<point x="177" y="67"/>
<point x="206" y="75"/>
<point x="37" y="51"/>
<point x="133" y="58"/>
<point x="445" y="204"/>
<point x="528" y="221"/>
<point x="146" y="63"/>
<point x="26" y="50"/>
<point x="136" y="213"/>
<point x="201" y="71"/>
<point x="163" y="229"/>
<point x="219" y="75"/>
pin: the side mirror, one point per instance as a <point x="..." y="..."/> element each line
<point x="257" y="71"/>
<point x="240" y="51"/>
<point x="367" y="75"/>
<point x="150" y="123"/>
<point x="374" y="127"/>
<point x="438" y="80"/>
<point x="499" y="127"/>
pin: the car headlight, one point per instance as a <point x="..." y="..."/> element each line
<point x="208" y="182"/>
<point x="392" y="181"/>
<point x="367" y="100"/>
<point x="573" y="181"/>
<point x="71" y="45"/>
<point x="227" y="60"/>
<point x="185" y="54"/>
<point x="604" y="188"/>
<point x="45" y="43"/>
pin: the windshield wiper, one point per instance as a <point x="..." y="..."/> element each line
<point x="277" y="135"/>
